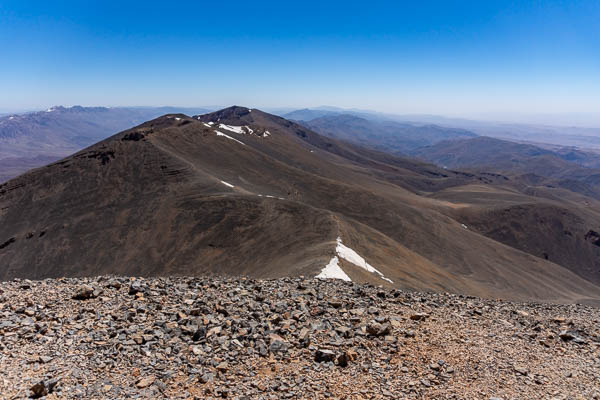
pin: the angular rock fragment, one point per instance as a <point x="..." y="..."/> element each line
<point x="419" y="316"/>
<point x="84" y="292"/>
<point x="145" y="382"/>
<point x="377" y="329"/>
<point x="324" y="355"/>
<point x="39" y="390"/>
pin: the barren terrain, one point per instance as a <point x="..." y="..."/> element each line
<point x="242" y="192"/>
<point x="111" y="337"/>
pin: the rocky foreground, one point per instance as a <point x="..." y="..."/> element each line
<point x="110" y="337"/>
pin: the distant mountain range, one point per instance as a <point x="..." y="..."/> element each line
<point x="584" y="137"/>
<point x="33" y="139"/>
<point x="243" y="192"/>
<point x="503" y="154"/>
<point x="391" y="136"/>
<point x="569" y="168"/>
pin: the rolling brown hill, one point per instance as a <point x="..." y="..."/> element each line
<point x="557" y="224"/>
<point x="559" y="166"/>
<point x="34" y="139"/>
<point x="240" y="191"/>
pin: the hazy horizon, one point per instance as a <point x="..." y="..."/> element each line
<point x="577" y="120"/>
<point x="503" y="61"/>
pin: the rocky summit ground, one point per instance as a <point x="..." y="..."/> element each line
<point x="110" y="337"/>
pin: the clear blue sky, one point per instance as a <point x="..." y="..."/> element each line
<point x="443" y="57"/>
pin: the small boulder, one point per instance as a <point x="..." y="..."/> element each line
<point x="42" y="388"/>
<point x="135" y="287"/>
<point x="335" y="303"/>
<point x="222" y="367"/>
<point x="39" y="390"/>
<point x="85" y="292"/>
<point x="323" y="355"/>
<point x="343" y="359"/>
<point x="200" y="334"/>
<point x="521" y="370"/>
<point x="419" y="316"/>
<point x="570" y="336"/>
<point x="207" y="378"/>
<point x="145" y="382"/>
<point x="346" y="357"/>
<point x="377" y="329"/>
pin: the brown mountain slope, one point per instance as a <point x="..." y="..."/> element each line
<point x="244" y="192"/>
<point x="554" y="168"/>
<point x="34" y="139"/>
<point x="556" y="217"/>
<point x="533" y="228"/>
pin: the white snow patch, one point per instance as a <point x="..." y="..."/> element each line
<point x="333" y="271"/>
<point x="350" y="255"/>
<point x="207" y="125"/>
<point x="177" y="119"/>
<point x="211" y="123"/>
<point x="241" y="130"/>
<point x="11" y="117"/>
<point x="233" y="128"/>
<point x="227" y="184"/>
<point x="50" y="109"/>
<point x="229" y="137"/>
<point x="464" y="226"/>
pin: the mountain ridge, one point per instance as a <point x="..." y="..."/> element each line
<point x="240" y="191"/>
<point x="32" y="139"/>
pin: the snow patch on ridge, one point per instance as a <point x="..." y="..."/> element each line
<point x="227" y="184"/>
<point x="229" y="137"/>
<point x="244" y="130"/>
<point x="233" y="128"/>
<point x="351" y="256"/>
<point x="333" y="271"/>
